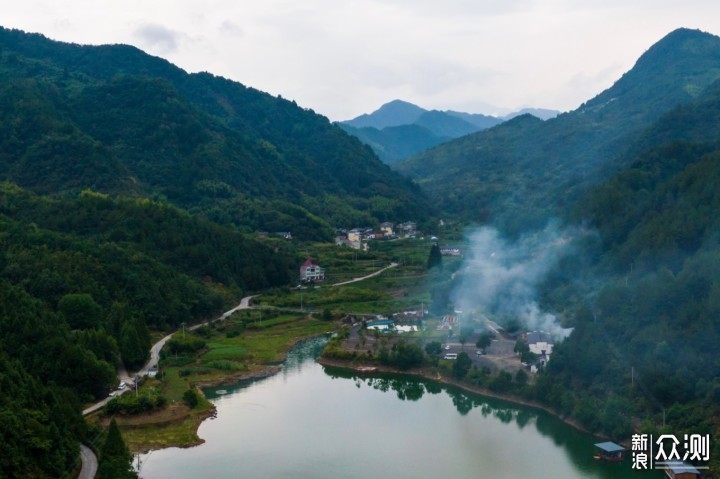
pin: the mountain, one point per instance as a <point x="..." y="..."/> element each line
<point x="644" y="343"/>
<point x="524" y="171"/>
<point x="394" y="113"/>
<point x="542" y="113"/>
<point x="119" y="121"/>
<point x="398" y="129"/>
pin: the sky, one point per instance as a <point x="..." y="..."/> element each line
<point x="343" y="58"/>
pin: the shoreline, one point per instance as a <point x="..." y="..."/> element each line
<point x="447" y="381"/>
<point x="263" y="372"/>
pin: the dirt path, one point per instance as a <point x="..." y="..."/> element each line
<point x="355" y="280"/>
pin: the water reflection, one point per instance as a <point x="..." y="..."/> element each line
<point x="310" y="421"/>
<point x="577" y="445"/>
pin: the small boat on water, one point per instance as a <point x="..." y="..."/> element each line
<point x="221" y="391"/>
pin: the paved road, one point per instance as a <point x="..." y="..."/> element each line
<point x="89" y="463"/>
<point x="392" y="265"/>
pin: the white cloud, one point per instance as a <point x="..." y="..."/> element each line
<point x="345" y="58"/>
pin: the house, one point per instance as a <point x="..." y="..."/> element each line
<point x="310" y="272"/>
<point x="387" y="228"/>
<point x="450" y="251"/>
<point x="354" y="235"/>
<point x="407" y="229"/>
<point x="609" y="451"/>
<point x="284" y="234"/>
<point x="540" y="343"/>
<point x="340" y="240"/>
<point x="681" y="470"/>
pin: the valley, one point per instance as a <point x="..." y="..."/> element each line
<point x="571" y="263"/>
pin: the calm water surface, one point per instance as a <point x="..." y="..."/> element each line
<point x="315" y="422"/>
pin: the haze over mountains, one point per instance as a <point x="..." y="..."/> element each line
<point x="399" y="129"/>
<point x="524" y="171"/>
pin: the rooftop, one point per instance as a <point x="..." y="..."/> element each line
<point x="609" y="446"/>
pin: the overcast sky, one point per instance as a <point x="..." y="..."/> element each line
<point x="346" y="57"/>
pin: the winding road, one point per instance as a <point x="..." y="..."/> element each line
<point x="89" y="463"/>
<point x="89" y="460"/>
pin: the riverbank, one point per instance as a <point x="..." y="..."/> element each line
<point x="432" y="374"/>
<point x="241" y="348"/>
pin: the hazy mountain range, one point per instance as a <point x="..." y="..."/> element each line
<point x="525" y="170"/>
<point x="398" y="129"/>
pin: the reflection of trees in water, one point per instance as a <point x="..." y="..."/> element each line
<point x="412" y="389"/>
<point x="406" y="390"/>
<point x="578" y="445"/>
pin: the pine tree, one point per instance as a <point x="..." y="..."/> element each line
<point x="435" y="258"/>
<point x="115" y="458"/>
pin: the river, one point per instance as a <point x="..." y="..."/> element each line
<point x="314" y="422"/>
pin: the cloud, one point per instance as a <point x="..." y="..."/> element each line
<point x="157" y="38"/>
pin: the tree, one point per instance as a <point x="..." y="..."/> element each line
<point x="433" y="348"/>
<point x="191" y="398"/>
<point x="521" y="377"/>
<point x="115" y="458"/>
<point x="131" y="346"/>
<point x="462" y="365"/>
<point x="80" y="311"/>
<point x="465" y="333"/>
<point x="435" y="257"/>
<point x="484" y="341"/>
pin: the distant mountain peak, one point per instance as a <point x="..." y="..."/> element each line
<point x="393" y="113"/>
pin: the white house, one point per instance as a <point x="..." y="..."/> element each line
<point x="540" y="343"/>
<point x="310" y="272"/>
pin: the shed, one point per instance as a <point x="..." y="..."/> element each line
<point x="681" y="470"/>
<point x="609" y="451"/>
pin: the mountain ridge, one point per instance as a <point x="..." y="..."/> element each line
<point x="517" y="175"/>
<point x="203" y="142"/>
<point x="423" y="129"/>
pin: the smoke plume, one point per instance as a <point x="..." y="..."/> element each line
<point x="500" y="278"/>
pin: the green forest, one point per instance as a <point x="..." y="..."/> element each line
<point x="119" y="121"/>
<point x="83" y="281"/>
<point x="132" y="191"/>
<point x="645" y="340"/>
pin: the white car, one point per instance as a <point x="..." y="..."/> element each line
<point x="122" y="385"/>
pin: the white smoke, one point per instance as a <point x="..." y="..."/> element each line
<point x="500" y="278"/>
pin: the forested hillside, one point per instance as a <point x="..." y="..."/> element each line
<point x="117" y="120"/>
<point x="518" y="174"/>
<point x="82" y="282"/>
<point x="645" y="343"/>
